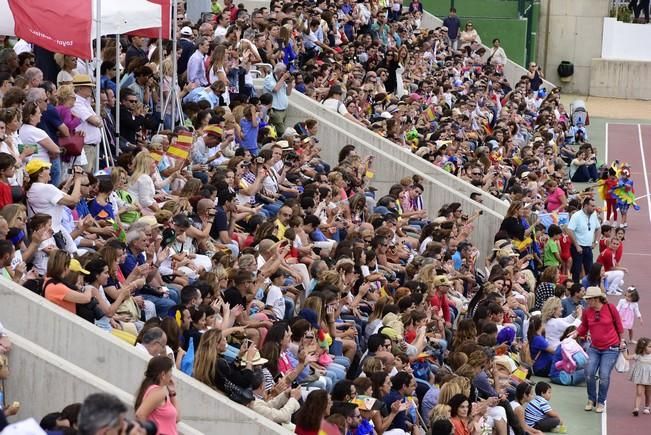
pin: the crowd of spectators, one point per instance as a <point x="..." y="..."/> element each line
<point x="227" y="247"/>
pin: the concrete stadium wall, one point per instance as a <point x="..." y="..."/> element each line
<point x="620" y="79"/>
<point x="393" y="163"/>
<point x="43" y="382"/>
<point x="572" y="31"/>
<point x="73" y="339"/>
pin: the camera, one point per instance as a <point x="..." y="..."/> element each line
<point x="259" y="160"/>
<point x="148" y="425"/>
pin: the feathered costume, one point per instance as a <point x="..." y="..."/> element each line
<point x="624" y="191"/>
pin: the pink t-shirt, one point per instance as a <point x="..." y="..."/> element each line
<point x="555" y="200"/>
<point x="164" y="416"/>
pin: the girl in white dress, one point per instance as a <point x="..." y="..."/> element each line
<point x="641" y="375"/>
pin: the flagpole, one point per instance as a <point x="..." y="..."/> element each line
<point x="117" y="88"/>
<point x="175" y="78"/>
<point x="98" y="51"/>
<point x="161" y="97"/>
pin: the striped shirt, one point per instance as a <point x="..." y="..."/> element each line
<point x="536" y="410"/>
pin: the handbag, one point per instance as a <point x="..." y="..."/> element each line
<point x="237" y="394"/>
<point x="73" y="144"/>
<point x="622" y="365"/>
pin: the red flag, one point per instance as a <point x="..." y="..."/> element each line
<point x="61" y="26"/>
<point x="155" y="32"/>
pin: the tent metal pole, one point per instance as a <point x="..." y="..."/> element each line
<point x="175" y="78"/>
<point x="98" y="53"/>
<point x="117" y="86"/>
<point x="160" y="73"/>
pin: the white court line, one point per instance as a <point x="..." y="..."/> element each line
<point x="646" y="176"/>
<point x="604" y="421"/>
<point x="639" y="254"/>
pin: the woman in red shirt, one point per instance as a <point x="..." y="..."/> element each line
<point x="602" y="321"/>
<point x="7" y="170"/>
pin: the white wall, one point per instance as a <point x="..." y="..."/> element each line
<point x="59" y="383"/>
<point x="572" y="31"/>
<point x="625" y="41"/>
<point x="75" y="340"/>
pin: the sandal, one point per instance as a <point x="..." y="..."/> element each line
<point x="636" y="412"/>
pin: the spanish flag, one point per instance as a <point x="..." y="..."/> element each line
<point x="181" y="149"/>
<point x="429" y="114"/>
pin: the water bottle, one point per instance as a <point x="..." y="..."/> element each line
<point x="2" y="400"/>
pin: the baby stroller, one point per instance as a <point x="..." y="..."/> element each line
<point x="578" y="113"/>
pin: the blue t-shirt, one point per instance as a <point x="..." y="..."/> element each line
<point x="50" y="123"/>
<point x="400" y="420"/>
<point x="96" y="210"/>
<point x="542" y="358"/>
<point x="458" y="261"/>
<point x="249" y="135"/>
<point x="536" y="410"/>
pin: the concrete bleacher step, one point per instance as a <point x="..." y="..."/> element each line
<point x="91" y="349"/>
<point x="56" y="381"/>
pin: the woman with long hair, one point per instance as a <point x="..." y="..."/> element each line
<point x="11" y="119"/>
<point x="141" y="184"/>
<point x="214" y="371"/>
<point x="540" y="349"/>
<point x="546" y="287"/>
<point x="156" y="397"/>
<point x="57" y="291"/>
<point x="524" y="394"/>
<point x="30" y="133"/>
<point x="68" y="65"/>
<point x="96" y="279"/>
<point x="314" y="410"/>
<point x="218" y="61"/>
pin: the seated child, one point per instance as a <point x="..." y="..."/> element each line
<point x="539" y="413"/>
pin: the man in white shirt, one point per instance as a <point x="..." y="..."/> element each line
<point x="584" y="229"/>
<point x="222" y="25"/>
<point x="91" y="122"/>
<point x="154" y="343"/>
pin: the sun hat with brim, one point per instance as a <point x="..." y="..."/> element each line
<point x="35" y="165"/>
<point x="593" y="292"/>
<point x="283" y="144"/>
<point x="149" y="220"/>
<point x="75" y="266"/>
<point x="366" y="403"/>
<point x="441" y="280"/>
<point x="185" y="31"/>
<point x="82" y="80"/>
<point x="257" y="360"/>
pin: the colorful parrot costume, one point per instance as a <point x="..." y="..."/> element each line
<point x="624" y="192"/>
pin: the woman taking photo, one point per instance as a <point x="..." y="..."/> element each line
<point x="311" y="415"/>
<point x="48" y="199"/>
<point x="96" y="279"/>
<point x="156" y="397"/>
<point x="602" y="321"/>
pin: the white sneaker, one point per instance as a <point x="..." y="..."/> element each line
<point x="614" y="293"/>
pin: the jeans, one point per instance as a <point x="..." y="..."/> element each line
<point x="573" y="379"/>
<point x="55" y="171"/>
<point x="546" y="424"/>
<point x="289" y="308"/>
<point x="201" y="176"/>
<point x="585" y="173"/>
<point x="163" y="305"/>
<point x="603" y="361"/>
<point x="614" y="280"/>
<point x="580" y="260"/>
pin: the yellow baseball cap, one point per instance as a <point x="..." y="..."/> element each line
<point x="75" y="266"/>
<point x="35" y="165"/>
